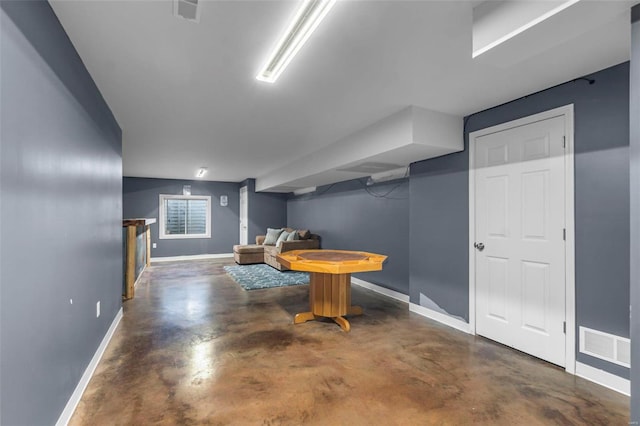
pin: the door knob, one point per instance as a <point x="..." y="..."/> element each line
<point x="479" y="246"/>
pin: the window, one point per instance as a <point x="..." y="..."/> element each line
<point x="185" y="216"/>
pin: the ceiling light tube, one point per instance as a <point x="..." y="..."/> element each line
<point x="302" y="191"/>
<point x="305" y="21"/>
<point x="201" y="172"/>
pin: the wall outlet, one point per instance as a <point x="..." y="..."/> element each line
<point x="98" y="309"/>
<point x="154" y="245"/>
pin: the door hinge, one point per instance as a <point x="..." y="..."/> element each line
<point x="564" y="234"/>
<point x="564" y="141"/>
<point x="564" y="327"/>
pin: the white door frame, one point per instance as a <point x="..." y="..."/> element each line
<point x="570" y="296"/>
<point x="244" y="191"/>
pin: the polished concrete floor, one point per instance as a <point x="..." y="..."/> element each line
<point x="194" y="348"/>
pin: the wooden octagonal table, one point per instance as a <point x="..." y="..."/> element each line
<point x="330" y="280"/>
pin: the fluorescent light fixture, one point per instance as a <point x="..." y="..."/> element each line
<point x="201" y="172"/>
<point x="305" y="21"/>
<point x="525" y="27"/>
<point x="393" y="174"/>
<point x="302" y="191"/>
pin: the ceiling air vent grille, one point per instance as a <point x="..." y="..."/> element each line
<point x="605" y="346"/>
<point x="187" y="9"/>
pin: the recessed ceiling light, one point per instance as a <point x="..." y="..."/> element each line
<point x="201" y="172"/>
<point x="305" y="21"/>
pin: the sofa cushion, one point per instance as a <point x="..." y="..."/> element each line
<point x="246" y="249"/>
<point x="304" y="234"/>
<point x="272" y="236"/>
<point x="293" y="236"/>
<point x="271" y="250"/>
<point x="283" y="237"/>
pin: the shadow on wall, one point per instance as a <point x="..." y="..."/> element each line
<point x="353" y="216"/>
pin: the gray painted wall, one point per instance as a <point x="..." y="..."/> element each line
<point x="348" y="217"/>
<point x="141" y="198"/>
<point x="635" y="213"/>
<point x="439" y="207"/>
<point x="439" y="223"/>
<point x="266" y="210"/>
<point x="61" y="216"/>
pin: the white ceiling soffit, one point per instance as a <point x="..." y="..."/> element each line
<point x="506" y="33"/>
<point x="412" y="134"/>
<point x="494" y="22"/>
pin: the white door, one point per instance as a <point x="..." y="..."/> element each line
<point x="520" y="247"/>
<point x="244" y="216"/>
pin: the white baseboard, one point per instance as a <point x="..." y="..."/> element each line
<point x="193" y="257"/>
<point x="69" y="409"/>
<point x="603" y="378"/>
<point x="382" y="290"/>
<point x="441" y="318"/>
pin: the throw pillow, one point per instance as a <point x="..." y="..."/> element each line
<point x="293" y="236"/>
<point x="272" y="236"/>
<point x="304" y="234"/>
<point x="283" y="237"/>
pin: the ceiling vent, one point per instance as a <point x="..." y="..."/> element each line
<point x="187" y="9"/>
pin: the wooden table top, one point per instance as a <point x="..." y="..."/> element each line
<point x="331" y="261"/>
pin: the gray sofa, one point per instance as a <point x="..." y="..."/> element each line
<point x="261" y="253"/>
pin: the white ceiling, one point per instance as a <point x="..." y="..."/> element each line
<point x="186" y="96"/>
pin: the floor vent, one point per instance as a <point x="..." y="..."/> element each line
<point x="605" y="346"/>
<point x="187" y="9"/>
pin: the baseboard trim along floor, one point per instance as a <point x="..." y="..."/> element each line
<point x="441" y="318"/>
<point x="69" y="409"/>
<point x="193" y="257"/>
<point x="604" y="378"/>
<point x="382" y="290"/>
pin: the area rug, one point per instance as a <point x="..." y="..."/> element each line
<point x="254" y="277"/>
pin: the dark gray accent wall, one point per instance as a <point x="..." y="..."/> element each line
<point x="266" y="210"/>
<point x="439" y="206"/>
<point x="351" y="216"/>
<point x="439" y="223"/>
<point x="634" y="115"/>
<point x="141" y="198"/>
<point x="60" y="216"/>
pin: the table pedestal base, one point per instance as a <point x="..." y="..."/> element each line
<point x="329" y="297"/>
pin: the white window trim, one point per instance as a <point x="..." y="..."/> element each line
<point x="161" y="226"/>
